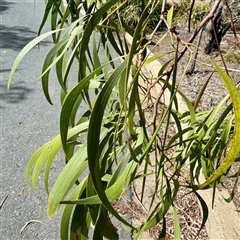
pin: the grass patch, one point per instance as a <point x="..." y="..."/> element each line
<point x="233" y="56"/>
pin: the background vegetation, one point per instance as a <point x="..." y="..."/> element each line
<point x="130" y="13"/>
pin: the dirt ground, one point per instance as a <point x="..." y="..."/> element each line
<point x="215" y="91"/>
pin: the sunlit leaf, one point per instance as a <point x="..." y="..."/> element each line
<point x="176" y="224"/>
<point x="72" y="171"/>
<point x="25" y="50"/>
<point x="235" y="146"/>
<point x="170" y="16"/>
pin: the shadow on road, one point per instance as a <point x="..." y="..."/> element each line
<point x="4" y="6"/>
<point x="16" y="94"/>
<point x="15" y="38"/>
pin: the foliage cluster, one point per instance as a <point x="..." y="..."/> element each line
<point x="106" y="145"/>
<point x="130" y="13"/>
<point x="182" y="12"/>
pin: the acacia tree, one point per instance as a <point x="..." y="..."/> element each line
<point x="106" y="145"/>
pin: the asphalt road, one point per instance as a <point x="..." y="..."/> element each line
<point x="27" y="121"/>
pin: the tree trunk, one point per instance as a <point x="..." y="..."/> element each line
<point x="221" y="24"/>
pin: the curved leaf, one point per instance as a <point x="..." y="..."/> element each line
<point x="25" y="50"/>
<point x="67" y="213"/>
<point x="47" y="62"/>
<point x="235" y="146"/>
<point x="66" y="180"/>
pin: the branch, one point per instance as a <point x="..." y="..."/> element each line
<point x="232" y="24"/>
<point x="191" y="39"/>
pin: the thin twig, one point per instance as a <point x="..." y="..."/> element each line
<point x="190" y="15"/>
<point x="130" y="208"/>
<point x="232" y="23"/>
<point x="218" y="46"/>
<point x="192" y="67"/>
<point x="115" y="10"/>
<point x="27" y="223"/>
<point x="1" y="204"/>
<point x="231" y="48"/>
<point x="20" y="193"/>
<point x="186" y="47"/>
<point x="137" y="198"/>
<point x="160" y="21"/>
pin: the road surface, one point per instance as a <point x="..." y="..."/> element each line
<point x="27" y="121"/>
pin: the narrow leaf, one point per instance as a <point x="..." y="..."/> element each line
<point x="176" y="224"/>
<point x="235" y="146"/>
<point x="71" y="172"/>
<point x="25" y="50"/>
<point x="170" y="16"/>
